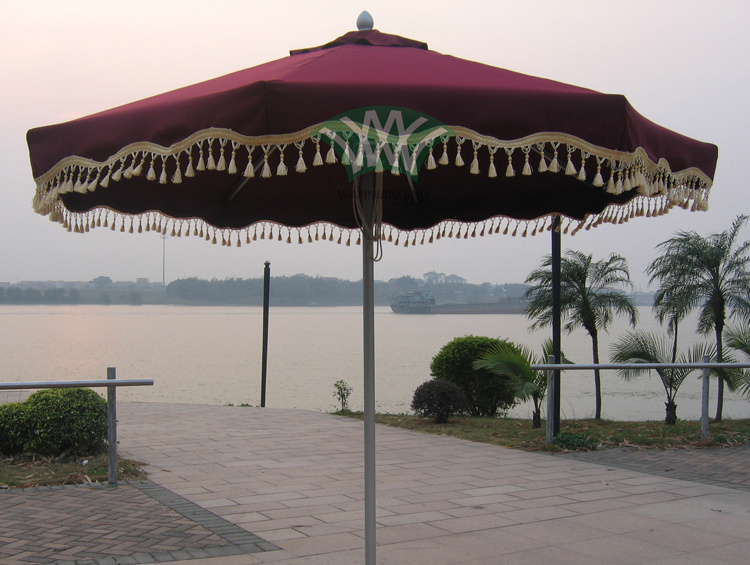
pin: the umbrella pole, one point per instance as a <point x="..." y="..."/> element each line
<point x="556" y="321"/>
<point x="368" y="317"/>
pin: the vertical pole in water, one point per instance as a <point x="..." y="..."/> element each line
<point x="704" y="401"/>
<point x="556" y="321"/>
<point x="550" y="401"/>
<point x="368" y="327"/>
<point x="112" y="428"/>
<point x="264" y="363"/>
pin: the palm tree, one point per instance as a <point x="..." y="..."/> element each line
<point x="642" y="347"/>
<point x="709" y="273"/>
<point x="514" y="362"/>
<point x="738" y="338"/>
<point x="590" y="298"/>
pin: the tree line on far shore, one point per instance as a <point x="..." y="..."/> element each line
<point x="296" y="290"/>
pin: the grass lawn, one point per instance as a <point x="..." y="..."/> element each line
<point x="519" y="434"/>
<point x="30" y="471"/>
<point x="33" y="471"/>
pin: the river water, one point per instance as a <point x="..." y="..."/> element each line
<point x="212" y="355"/>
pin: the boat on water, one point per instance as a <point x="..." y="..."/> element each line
<point x="423" y="302"/>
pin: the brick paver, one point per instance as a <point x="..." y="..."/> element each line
<point x="294" y="478"/>
<point x="136" y="522"/>
<point x="729" y="467"/>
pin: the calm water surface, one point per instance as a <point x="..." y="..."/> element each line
<point x="212" y="355"/>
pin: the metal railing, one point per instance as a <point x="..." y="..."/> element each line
<point x="551" y="367"/>
<point x="111" y="383"/>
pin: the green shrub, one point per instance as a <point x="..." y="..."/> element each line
<point x="486" y="392"/>
<point x="438" y="399"/>
<point x="66" y="419"/>
<point x="575" y="441"/>
<point x="14" y="428"/>
<point x="342" y="391"/>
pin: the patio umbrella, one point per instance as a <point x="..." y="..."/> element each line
<point x="369" y="138"/>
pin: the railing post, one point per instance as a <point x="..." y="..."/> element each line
<point x="112" y="428"/>
<point x="551" y="401"/>
<point x="704" y="401"/>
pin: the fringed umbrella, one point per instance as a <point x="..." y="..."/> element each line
<point x="369" y="138"/>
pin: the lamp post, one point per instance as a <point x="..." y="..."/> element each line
<point x="264" y="362"/>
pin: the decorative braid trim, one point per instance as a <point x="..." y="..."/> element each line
<point x="659" y="188"/>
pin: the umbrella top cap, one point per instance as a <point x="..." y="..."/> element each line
<point x="365" y="21"/>
<point x="365" y="35"/>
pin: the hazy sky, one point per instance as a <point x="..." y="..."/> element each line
<point x="681" y="63"/>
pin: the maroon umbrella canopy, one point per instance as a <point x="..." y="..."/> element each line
<point x="252" y="153"/>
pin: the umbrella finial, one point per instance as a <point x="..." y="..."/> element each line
<point x="365" y="21"/>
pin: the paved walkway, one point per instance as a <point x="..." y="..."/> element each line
<point x="233" y="485"/>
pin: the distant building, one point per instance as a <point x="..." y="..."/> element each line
<point x="434" y="278"/>
<point x="454" y="279"/>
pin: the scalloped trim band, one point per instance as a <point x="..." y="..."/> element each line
<point x="659" y="188"/>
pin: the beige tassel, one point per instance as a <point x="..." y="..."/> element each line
<point x="570" y="169"/>
<point x="542" y="161"/>
<point x="232" y="170"/>
<point x="444" y="157"/>
<point x="318" y="159"/>
<point x="222" y="165"/>
<point x="249" y="169"/>
<point x="163" y="176"/>
<point x="598" y="180"/>
<point x="300" y="167"/>
<point x="117" y="175"/>
<point x="395" y="166"/>
<point x="474" y="168"/>
<point x="582" y="171"/>
<point x="431" y="164"/>
<point x="554" y="166"/>
<point x="526" y="165"/>
<point x="201" y="166"/>
<point x="618" y="183"/>
<point x="128" y="174"/>
<point x="190" y="171"/>
<point x="151" y="174"/>
<point x="266" y="172"/>
<point x="139" y="168"/>
<point x="459" y="158"/>
<point x="492" y="171"/>
<point x="177" y="177"/>
<point x="509" y="170"/>
<point x="331" y="155"/>
<point x="282" y="169"/>
<point x="210" y="162"/>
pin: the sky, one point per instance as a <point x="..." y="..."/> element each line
<point x="681" y="63"/>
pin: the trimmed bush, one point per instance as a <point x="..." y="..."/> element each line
<point x="66" y="419"/>
<point x="14" y="428"/>
<point x="438" y="399"/>
<point x="486" y="393"/>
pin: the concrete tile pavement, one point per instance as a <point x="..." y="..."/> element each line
<point x="294" y="479"/>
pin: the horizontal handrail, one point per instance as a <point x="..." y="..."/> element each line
<point x="590" y="366"/>
<point x="76" y="384"/>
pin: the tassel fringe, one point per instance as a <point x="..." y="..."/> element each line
<point x="658" y="189"/>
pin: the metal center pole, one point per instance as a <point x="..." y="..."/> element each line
<point x="368" y="317"/>
<point x="556" y="321"/>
